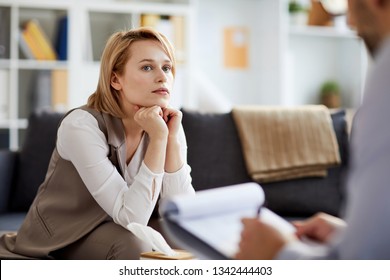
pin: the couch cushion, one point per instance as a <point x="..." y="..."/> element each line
<point x="214" y="152"/>
<point x="34" y="157"/>
<point x="307" y="196"/>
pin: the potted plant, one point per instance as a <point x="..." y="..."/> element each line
<point x="294" y="7"/>
<point x="298" y="13"/>
<point x="330" y="94"/>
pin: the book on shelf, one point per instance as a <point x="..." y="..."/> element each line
<point x="24" y="46"/>
<point x="173" y="27"/>
<point x="59" y="89"/>
<point x="209" y="223"/>
<point x="62" y="38"/>
<point x="161" y="23"/>
<point x="179" y="36"/>
<point x="37" y="41"/>
<point x="29" y="46"/>
<point x="150" y="20"/>
<point x="41" y="90"/>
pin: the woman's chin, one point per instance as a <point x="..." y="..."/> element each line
<point x="163" y="103"/>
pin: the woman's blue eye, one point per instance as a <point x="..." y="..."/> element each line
<point x="167" y="69"/>
<point x="147" y="68"/>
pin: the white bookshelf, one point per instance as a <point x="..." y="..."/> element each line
<point x="287" y="64"/>
<point x="317" y="54"/>
<point x="90" y="22"/>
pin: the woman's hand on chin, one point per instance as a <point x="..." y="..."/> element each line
<point x="151" y="119"/>
<point x="172" y="118"/>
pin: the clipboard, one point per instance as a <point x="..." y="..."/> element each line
<point x="209" y="223"/>
<point x="190" y="242"/>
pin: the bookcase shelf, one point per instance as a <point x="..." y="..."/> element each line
<point x="322" y="31"/>
<point x="317" y="54"/>
<point x="28" y="84"/>
<point x="5" y="63"/>
<point x="34" y="64"/>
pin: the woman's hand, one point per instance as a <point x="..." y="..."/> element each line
<point x="320" y="227"/>
<point x="260" y="241"/>
<point x="161" y="124"/>
<point x="174" y="159"/>
<point x="151" y="119"/>
<point x="173" y="118"/>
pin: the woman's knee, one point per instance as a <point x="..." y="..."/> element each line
<point x="125" y="245"/>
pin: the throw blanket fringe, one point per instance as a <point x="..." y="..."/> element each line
<point x="281" y="143"/>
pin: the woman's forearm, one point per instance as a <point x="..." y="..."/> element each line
<point x="155" y="155"/>
<point x="174" y="160"/>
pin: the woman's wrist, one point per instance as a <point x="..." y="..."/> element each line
<point x="173" y="161"/>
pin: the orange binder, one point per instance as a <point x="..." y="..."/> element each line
<point x="42" y="45"/>
<point x="36" y="51"/>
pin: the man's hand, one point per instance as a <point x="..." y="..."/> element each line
<point x="320" y="227"/>
<point x="260" y="241"/>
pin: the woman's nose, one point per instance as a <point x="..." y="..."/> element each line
<point x="161" y="76"/>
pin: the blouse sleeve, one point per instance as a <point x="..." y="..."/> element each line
<point x="82" y="142"/>
<point x="180" y="181"/>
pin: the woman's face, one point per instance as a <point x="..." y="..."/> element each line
<point x="147" y="79"/>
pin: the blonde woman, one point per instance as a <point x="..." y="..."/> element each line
<point x="113" y="159"/>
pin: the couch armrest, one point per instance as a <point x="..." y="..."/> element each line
<point x="8" y="161"/>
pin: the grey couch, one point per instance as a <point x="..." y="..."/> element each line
<point x="214" y="154"/>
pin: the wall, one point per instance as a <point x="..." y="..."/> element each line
<point x="260" y="82"/>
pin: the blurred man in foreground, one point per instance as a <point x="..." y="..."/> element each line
<point x="364" y="234"/>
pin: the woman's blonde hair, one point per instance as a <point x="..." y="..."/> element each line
<point x="115" y="55"/>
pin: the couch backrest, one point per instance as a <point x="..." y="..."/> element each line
<point x="214" y="150"/>
<point x="34" y="158"/>
<point x="7" y="168"/>
<point x="216" y="159"/>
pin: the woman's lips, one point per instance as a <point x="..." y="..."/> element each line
<point x="162" y="91"/>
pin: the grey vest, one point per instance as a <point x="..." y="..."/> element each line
<point x="63" y="210"/>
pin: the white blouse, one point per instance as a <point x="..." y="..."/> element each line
<point x="128" y="200"/>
